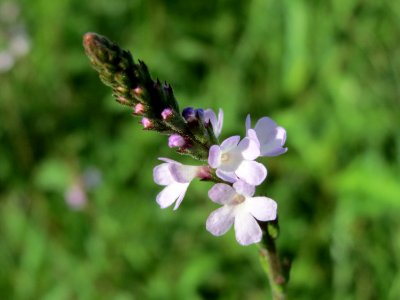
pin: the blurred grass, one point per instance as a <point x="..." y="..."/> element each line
<point x="326" y="71"/>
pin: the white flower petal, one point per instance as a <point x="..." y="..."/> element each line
<point x="179" y="200"/>
<point x="162" y="174"/>
<point x="230" y="143"/>
<point x="171" y="193"/>
<point x="220" y="220"/>
<point x="221" y="193"/>
<point x="220" y="122"/>
<point x="247" y="229"/>
<point x="168" y="160"/>
<point x="214" y="156"/>
<point x="183" y="173"/>
<point x="226" y="176"/>
<point x="248" y="122"/>
<point x="262" y="208"/>
<point x="251" y="172"/>
<point x="244" y="188"/>
<point x="274" y="146"/>
<point x="265" y="129"/>
<point x="249" y="148"/>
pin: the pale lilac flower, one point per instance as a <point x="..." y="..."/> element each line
<point x="176" y="177"/>
<point x="175" y="140"/>
<point x="75" y="196"/>
<point x="234" y="160"/>
<point x="268" y="135"/>
<point x="241" y="209"/>
<point x="216" y="123"/>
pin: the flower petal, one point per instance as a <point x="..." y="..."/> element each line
<point x="183" y="173"/>
<point x="209" y="116"/>
<point x="220" y="220"/>
<point x="248" y="122"/>
<point x="162" y="174"/>
<point x="262" y="208"/>
<point x="244" y="188"/>
<point x="249" y="148"/>
<point x="251" y="172"/>
<point x="251" y="133"/>
<point x="221" y="193"/>
<point x="265" y="129"/>
<point x="168" y="160"/>
<point x="171" y="193"/>
<point x="230" y="143"/>
<point x="214" y="156"/>
<point x="247" y="229"/>
<point x="274" y="146"/>
<point x="220" y="122"/>
<point x="226" y="176"/>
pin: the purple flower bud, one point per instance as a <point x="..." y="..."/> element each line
<point x="166" y="113"/>
<point x="189" y="114"/>
<point x="200" y="114"/>
<point x="147" y="124"/>
<point x="175" y="140"/>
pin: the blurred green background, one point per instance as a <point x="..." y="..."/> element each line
<point x="78" y="217"/>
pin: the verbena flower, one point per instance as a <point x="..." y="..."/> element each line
<point x="268" y="135"/>
<point x="176" y="177"/>
<point x="234" y="160"/>
<point x="216" y="123"/>
<point x="241" y="209"/>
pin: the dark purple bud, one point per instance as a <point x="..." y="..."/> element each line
<point x="200" y="114"/>
<point x="189" y="114"/>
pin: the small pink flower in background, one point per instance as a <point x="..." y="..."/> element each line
<point x="209" y="116"/>
<point x="234" y="160"/>
<point x="268" y="135"/>
<point x="75" y="196"/>
<point x="176" y="177"/>
<point x="241" y="209"/>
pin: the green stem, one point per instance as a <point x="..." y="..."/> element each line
<point x="271" y="263"/>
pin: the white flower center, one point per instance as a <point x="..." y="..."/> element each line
<point x="225" y="157"/>
<point x="237" y="199"/>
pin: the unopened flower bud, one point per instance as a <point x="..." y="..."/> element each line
<point x="138" y="91"/>
<point x="189" y="114"/>
<point x="175" y="140"/>
<point x="139" y="109"/>
<point x="200" y="114"/>
<point x="166" y="113"/>
<point x="147" y="124"/>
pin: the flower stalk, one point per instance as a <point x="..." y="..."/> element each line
<point x="271" y="261"/>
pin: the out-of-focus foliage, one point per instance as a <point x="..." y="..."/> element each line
<point x="328" y="71"/>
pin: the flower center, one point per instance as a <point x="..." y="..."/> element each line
<point x="225" y="157"/>
<point x="237" y="199"/>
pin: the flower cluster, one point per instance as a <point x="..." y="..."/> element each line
<point x="233" y="162"/>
